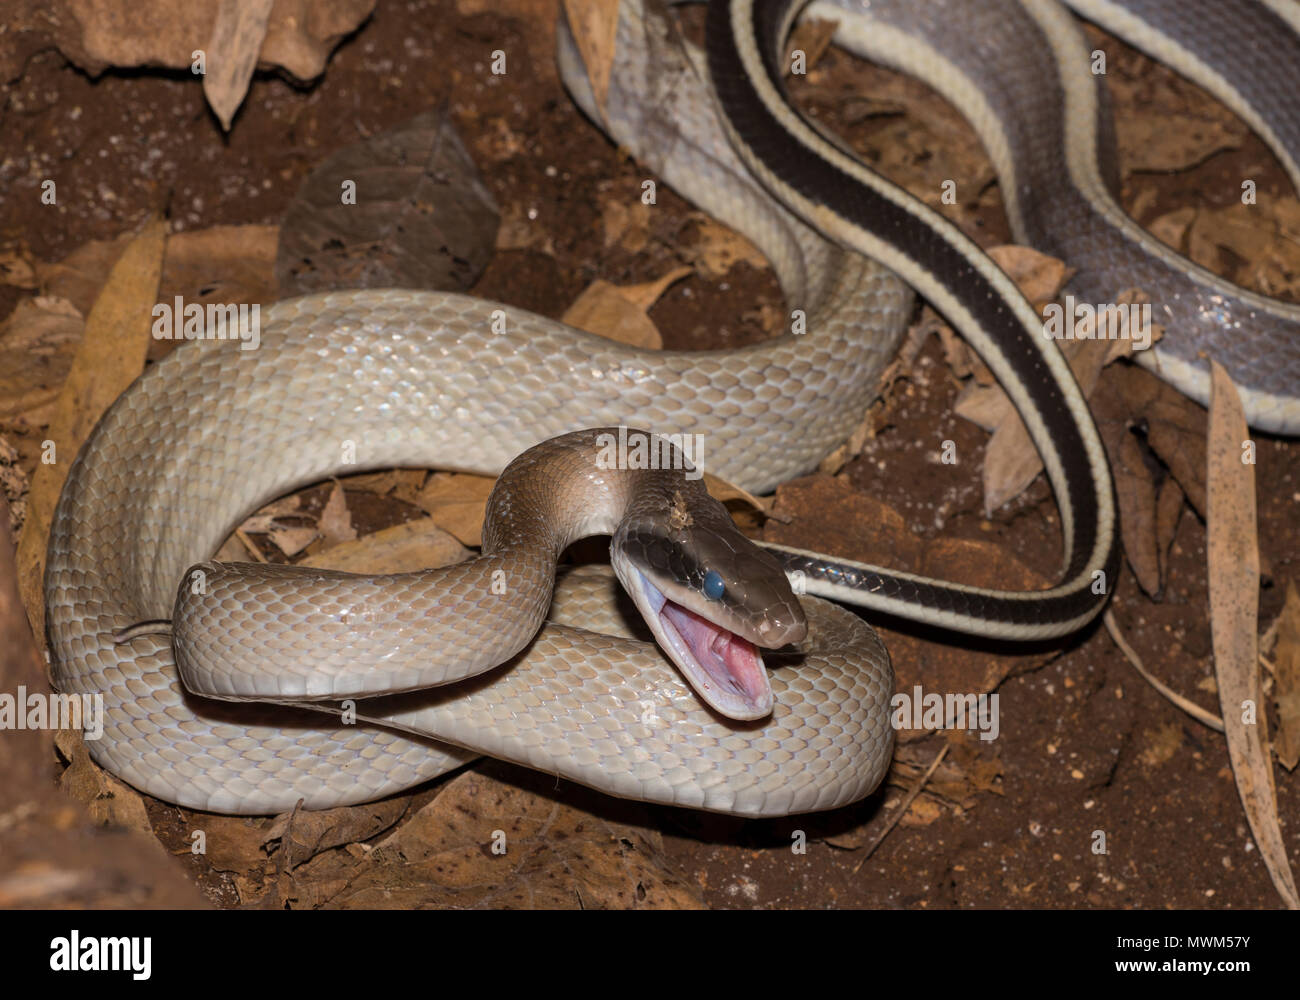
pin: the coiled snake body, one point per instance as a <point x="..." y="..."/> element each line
<point x="426" y="379"/>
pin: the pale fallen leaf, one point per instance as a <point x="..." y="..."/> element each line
<point x="1233" y="563"/>
<point x="718" y="248"/>
<point x="626" y="223"/>
<point x="291" y="540"/>
<point x="594" y="25"/>
<point x="619" y="312"/>
<point x="403" y="548"/>
<point x="812" y="36"/>
<point x="38" y="341"/>
<point x="232" y="52"/>
<point x="456" y="502"/>
<point x="335" y="521"/>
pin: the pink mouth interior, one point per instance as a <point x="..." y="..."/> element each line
<point x="731" y="662"/>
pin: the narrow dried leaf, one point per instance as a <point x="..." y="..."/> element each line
<point x="111" y="355"/>
<point x="1233" y="556"/>
<point x="1135" y="491"/>
<point x="1286" y="679"/>
<point x="232" y="51"/>
<point x="594" y="24"/>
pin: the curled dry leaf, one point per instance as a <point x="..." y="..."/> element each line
<point x="302" y="834"/>
<point x="404" y="209"/>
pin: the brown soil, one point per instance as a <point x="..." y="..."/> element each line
<point x="1085" y="744"/>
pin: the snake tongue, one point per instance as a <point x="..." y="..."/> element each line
<point x="728" y="670"/>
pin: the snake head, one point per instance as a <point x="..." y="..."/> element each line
<point x="710" y="596"/>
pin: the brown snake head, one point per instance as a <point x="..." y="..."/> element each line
<point x="709" y="594"/>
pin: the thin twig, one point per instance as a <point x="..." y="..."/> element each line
<point x="903" y="807"/>
<point x="1190" y="707"/>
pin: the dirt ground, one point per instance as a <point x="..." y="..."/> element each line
<point x="1085" y="744"/>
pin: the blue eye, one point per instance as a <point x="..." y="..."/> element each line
<point x="713" y="585"/>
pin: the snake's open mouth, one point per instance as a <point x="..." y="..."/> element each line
<point x="725" y="669"/>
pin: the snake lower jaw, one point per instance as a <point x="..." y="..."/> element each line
<point x="724" y="669"/>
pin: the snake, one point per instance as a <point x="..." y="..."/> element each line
<point x="444" y="380"/>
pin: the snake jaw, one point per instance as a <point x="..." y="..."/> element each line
<point x="725" y="669"/>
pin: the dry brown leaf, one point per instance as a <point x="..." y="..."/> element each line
<point x="723" y="491"/>
<point x="111" y="803"/>
<point x="305" y="833"/>
<point x="1286" y="674"/>
<point x="594" y="24"/>
<point x="17" y="269"/>
<point x="80" y="276"/>
<point x="1038" y="276"/>
<point x="232" y="51"/>
<point x="1233" y="563"/>
<point x="1135" y="491"/>
<point x="619" y="312"/>
<point x="291" y="540"/>
<point x="1264" y="239"/>
<point x="1171" y="228"/>
<point x="232" y="843"/>
<point x="1161" y="140"/>
<point x="626" y="223"/>
<point x="38" y="341"/>
<point x="111" y="355"/>
<point x="225" y="264"/>
<point x="96" y="35"/>
<point x="403" y="548"/>
<point x="335" y="521"/>
<point x="547" y="855"/>
<point x="456" y="502"/>
<point x="1169" y="511"/>
<point x="401" y="483"/>
<point x="812" y="36"/>
<point x="718" y="248"/>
